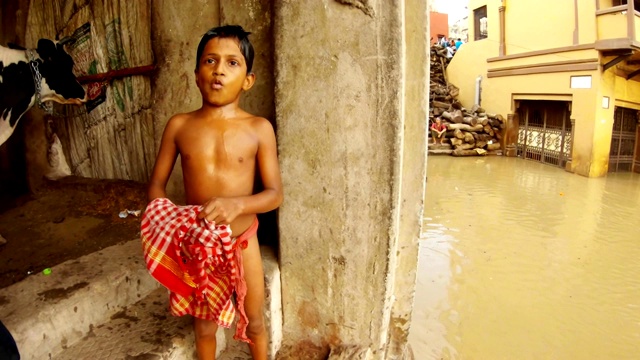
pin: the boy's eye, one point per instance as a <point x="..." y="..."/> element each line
<point x="233" y="62"/>
<point x="210" y="61"/>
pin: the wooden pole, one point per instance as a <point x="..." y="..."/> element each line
<point x="116" y="74"/>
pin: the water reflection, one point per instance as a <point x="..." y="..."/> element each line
<point x="525" y="261"/>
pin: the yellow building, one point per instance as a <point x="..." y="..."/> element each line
<point x="567" y="74"/>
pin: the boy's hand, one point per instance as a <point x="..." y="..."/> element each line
<point x="221" y="210"/>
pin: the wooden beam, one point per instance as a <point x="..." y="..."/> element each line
<point x="634" y="73"/>
<point x="544" y="70"/>
<point x="614" y="62"/>
<point x="617" y="52"/>
<point x="543" y="52"/>
<point x="116" y="74"/>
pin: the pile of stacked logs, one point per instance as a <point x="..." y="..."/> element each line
<point x="469" y="131"/>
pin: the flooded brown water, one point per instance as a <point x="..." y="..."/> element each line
<point x="521" y="260"/>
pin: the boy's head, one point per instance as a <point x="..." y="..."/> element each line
<point x="228" y="31"/>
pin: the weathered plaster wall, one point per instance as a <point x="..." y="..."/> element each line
<point x="340" y="104"/>
<point x="256" y="16"/>
<point x="176" y="30"/>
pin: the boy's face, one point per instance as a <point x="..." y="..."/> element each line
<point x="222" y="72"/>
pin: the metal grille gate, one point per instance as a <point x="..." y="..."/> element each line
<point x="623" y="140"/>
<point x="544" y="133"/>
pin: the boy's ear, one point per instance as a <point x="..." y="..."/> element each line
<point x="249" y="81"/>
<point x="195" y="74"/>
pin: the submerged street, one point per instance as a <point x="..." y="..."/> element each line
<point x="521" y="260"/>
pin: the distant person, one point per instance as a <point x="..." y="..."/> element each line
<point x="444" y="42"/>
<point x="437" y="131"/>
<point x="8" y="348"/>
<point x="459" y="43"/>
<point x="451" y="50"/>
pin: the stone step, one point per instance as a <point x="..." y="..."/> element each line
<point x="445" y="146"/>
<point x="48" y="313"/>
<point x="146" y="330"/>
<point x="105" y="304"/>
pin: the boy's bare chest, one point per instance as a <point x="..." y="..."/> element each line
<point x="217" y="146"/>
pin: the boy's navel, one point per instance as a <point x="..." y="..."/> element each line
<point x="240" y="159"/>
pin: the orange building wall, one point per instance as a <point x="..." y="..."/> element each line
<point x="438" y="24"/>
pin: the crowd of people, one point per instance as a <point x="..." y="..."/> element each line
<point x="451" y="45"/>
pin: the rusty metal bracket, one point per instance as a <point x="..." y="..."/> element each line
<point x="633" y="74"/>
<point x="615" y="61"/>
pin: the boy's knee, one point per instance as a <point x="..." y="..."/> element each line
<point x="205" y="329"/>
<point x="255" y="327"/>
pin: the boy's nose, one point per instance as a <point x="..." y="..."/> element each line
<point x="218" y="69"/>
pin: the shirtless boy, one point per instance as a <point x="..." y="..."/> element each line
<point x="221" y="146"/>
<point x="437" y="131"/>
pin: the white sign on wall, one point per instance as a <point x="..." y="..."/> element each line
<point x="581" y="82"/>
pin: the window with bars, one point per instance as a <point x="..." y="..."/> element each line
<point x="480" y="23"/>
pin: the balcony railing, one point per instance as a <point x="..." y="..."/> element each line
<point x="618" y="28"/>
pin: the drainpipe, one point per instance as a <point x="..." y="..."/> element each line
<point x="478" y="97"/>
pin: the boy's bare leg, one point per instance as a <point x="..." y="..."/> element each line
<point x="205" y="332"/>
<point x="254" y="301"/>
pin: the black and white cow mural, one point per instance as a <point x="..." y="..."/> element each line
<point x="34" y="76"/>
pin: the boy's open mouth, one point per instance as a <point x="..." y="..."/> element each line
<point x="217" y="84"/>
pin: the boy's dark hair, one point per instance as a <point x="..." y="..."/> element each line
<point x="229" y="31"/>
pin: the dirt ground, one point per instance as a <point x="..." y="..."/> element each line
<point x="65" y="220"/>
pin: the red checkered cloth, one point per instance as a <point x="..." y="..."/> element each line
<point x="199" y="262"/>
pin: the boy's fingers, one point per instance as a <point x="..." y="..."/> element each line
<point x="208" y="209"/>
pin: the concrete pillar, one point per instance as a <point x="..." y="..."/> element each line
<point x="351" y="107"/>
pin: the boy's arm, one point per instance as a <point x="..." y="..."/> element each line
<point x="271" y="197"/>
<point x="165" y="161"/>
<point x="225" y="210"/>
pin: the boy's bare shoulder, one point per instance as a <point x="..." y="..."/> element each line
<point x="260" y="124"/>
<point x="177" y="121"/>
